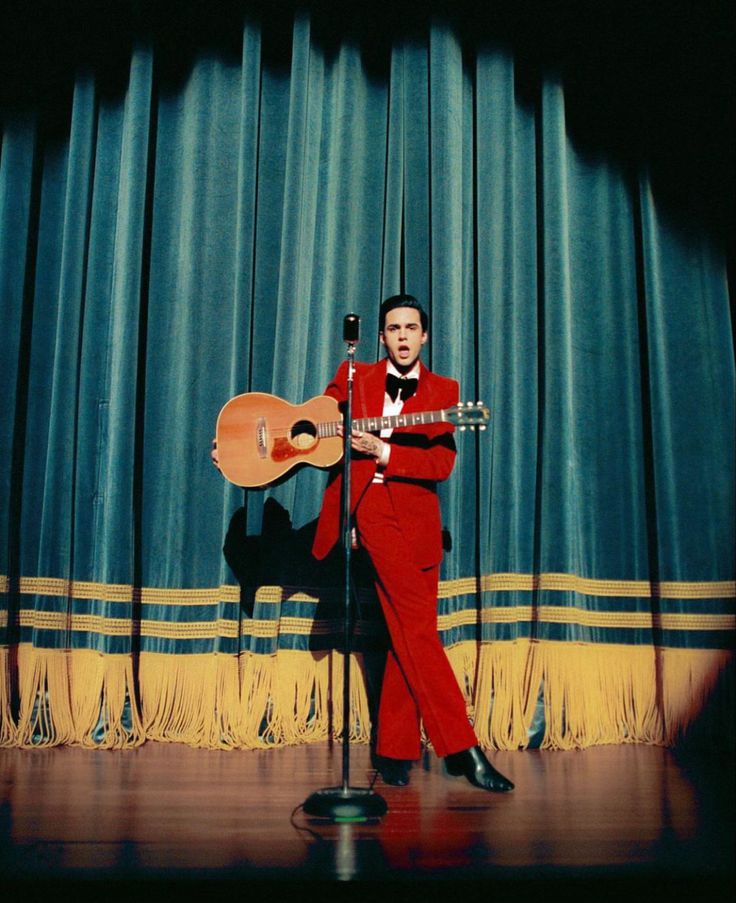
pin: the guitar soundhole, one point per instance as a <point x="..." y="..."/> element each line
<point x="302" y="438"/>
<point x="303" y="434"/>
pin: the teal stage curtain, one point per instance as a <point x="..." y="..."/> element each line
<point x="192" y="217"/>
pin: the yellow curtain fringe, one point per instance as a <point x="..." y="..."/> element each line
<point x="192" y="699"/>
<point x="8" y="730"/>
<point x="73" y="697"/>
<point x="591" y="695"/>
<point x="100" y="685"/>
<point x="500" y="683"/>
<point x="254" y="701"/>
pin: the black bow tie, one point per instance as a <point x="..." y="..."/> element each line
<point x="404" y="387"/>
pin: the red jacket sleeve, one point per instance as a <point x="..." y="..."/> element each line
<point x="338" y="386"/>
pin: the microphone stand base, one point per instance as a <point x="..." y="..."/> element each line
<point x="341" y="804"/>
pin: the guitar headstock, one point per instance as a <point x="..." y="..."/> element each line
<point x="469" y="415"/>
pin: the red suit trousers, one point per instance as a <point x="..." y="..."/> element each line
<point x="418" y="681"/>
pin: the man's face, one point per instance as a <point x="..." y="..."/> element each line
<point x="403" y="337"/>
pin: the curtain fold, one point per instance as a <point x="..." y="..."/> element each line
<point x="199" y="231"/>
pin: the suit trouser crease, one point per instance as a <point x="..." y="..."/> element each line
<point x="418" y="681"/>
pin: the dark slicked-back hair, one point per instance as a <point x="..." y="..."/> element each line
<point x="401" y="301"/>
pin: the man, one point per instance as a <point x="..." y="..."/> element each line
<point x="397" y="520"/>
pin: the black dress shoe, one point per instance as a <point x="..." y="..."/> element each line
<point x="472" y="764"/>
<point x="393" y="771"/>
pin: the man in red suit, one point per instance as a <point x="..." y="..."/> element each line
<point x="397" y="520"/>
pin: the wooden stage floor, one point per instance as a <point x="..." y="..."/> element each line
<point x="612" y="822"/>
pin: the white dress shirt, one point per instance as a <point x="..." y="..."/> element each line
<point x="390" y="409"/>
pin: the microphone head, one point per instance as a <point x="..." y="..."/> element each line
<point x="351" y="329"/>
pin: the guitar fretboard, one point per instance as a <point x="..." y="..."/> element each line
<point x="374" y="424"/>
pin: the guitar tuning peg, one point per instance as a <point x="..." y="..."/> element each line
<point x="462" y="428"/>
<point x="482" y="427"/>
<point x="479" y="403"/>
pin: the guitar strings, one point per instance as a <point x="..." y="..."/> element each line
<point x="408" y="419"/>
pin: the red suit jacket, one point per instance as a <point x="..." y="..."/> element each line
<point x="421" y="456"/>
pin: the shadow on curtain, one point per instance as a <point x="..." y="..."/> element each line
<point x="188" y="208"/>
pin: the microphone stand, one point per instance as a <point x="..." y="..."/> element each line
<point x="346" y="803"/>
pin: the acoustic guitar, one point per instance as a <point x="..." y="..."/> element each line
<point x="260" y="437"/>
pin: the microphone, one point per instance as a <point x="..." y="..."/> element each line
<point x="351" y="329"/>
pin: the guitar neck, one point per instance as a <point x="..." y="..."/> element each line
<point x="375" y="424"/>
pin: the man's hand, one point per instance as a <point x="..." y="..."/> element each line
<point x="214" y="457"/>
<point x="367" y="444"/>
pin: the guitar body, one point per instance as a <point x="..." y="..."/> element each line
<point x="260" y="437"/>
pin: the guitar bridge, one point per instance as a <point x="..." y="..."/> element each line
<point x="261" y="437"/>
